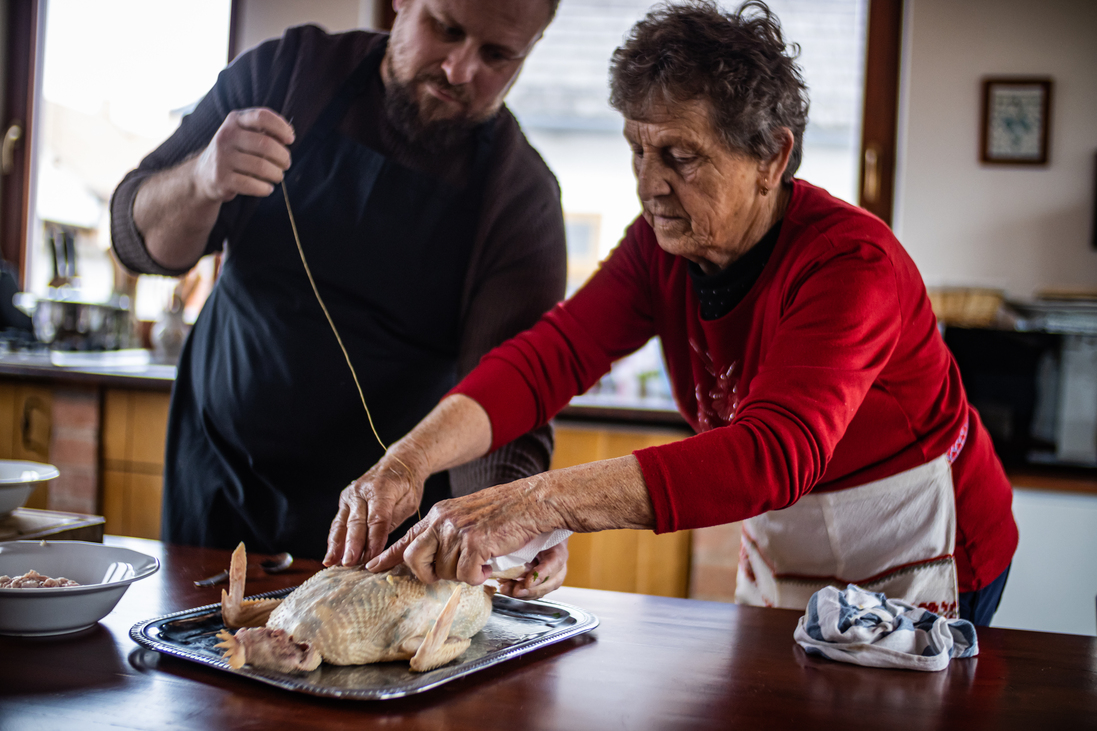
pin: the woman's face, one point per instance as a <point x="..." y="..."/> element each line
<point x="703" y="201"/>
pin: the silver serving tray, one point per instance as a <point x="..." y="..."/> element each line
<point x="514" y="628"/>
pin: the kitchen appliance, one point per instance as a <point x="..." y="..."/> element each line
<point x="64" y="319"/>
<point x="65" y="322"/>
<point x="1035" y="390"/>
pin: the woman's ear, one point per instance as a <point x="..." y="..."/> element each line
<point x="774" y="168"/>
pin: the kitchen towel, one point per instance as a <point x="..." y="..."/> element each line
<point x="527" y="553"/>
<point x="867" y="628"/>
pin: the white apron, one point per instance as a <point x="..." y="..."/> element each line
<point x="896" y="535"/>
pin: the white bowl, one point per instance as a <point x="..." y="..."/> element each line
<point x="18" y="480"/>
<point x="103" y="572"/>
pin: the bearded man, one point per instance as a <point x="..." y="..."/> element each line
<point x="433" y="232"/>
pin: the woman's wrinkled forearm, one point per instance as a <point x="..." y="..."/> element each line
<point x="604" y="495"/>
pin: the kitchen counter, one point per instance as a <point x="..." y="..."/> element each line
<point x="153" y="376"/>
<point x="653" y="663"/>
<point x="40" y="366"/>
<point x="587" y="409"/>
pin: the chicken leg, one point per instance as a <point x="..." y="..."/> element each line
<point x="237" y="611"/>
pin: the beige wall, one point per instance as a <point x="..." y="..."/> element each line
<point x="1010" y="227"/>
<point x="263" y="19"/>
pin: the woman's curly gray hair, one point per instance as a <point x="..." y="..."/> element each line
<point x="736" y="62"/>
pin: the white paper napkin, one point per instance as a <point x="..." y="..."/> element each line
<point x="527" y="553"/>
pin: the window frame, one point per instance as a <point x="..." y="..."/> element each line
<point x="21" y="71"/>
<point x="880" y="111"/>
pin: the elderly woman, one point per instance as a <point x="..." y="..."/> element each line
<point x="801" y="347"/>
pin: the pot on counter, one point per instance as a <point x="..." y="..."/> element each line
<point x="64" y="322"/>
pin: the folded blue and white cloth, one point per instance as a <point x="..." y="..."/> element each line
<point x="867" y="628"/>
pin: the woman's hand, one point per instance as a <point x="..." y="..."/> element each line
<point x="458" y="538"/>
<point x="454" y="432"/>
<point x="546" y="573"/>
<point x="373" y="505"/>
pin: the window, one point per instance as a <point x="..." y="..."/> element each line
<point x="117" y="76"/>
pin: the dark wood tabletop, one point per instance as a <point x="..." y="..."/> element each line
<point x="653" y="663"/>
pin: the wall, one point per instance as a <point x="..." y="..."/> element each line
<point x="1009" y="227"/>
<point x="263" y="19"/>
<point x="1052" y="585"/>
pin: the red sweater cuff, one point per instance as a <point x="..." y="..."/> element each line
<point x="656" y="471"/>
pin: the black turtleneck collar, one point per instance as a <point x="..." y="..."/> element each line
<point x="719" y="293"/>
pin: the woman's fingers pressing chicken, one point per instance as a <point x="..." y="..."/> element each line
<point x="369" y="509"/>
<point x="458" y="538"/>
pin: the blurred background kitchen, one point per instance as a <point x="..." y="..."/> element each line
<point x="1009" y="252"/>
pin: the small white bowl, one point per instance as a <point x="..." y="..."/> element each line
<point x="18" y="480"/>
<point x="103" y="572"/>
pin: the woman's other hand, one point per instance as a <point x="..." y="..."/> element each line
<point x="458" y="538"/>
<point x="544" y="574"/>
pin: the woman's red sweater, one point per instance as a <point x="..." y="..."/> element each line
<point x="829" y="374"/>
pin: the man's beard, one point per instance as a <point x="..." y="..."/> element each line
<point x="404" y="112"/>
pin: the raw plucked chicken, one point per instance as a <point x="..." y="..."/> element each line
<point x="349" y="616"/>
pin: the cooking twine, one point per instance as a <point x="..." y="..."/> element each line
<point x="338" y="339"/>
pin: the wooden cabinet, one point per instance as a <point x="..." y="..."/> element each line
<point x="25" y="426"/>
<point x="133" y="437"/>
<point x="622" y="560"/>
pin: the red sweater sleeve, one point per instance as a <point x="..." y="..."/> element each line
<point x="838" y="326"/>
<point x="525" y="381"/>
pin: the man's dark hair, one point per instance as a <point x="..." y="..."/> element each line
<point x="736" y="62"/>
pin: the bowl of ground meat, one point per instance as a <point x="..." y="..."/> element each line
<point x="18" y="479"/>
<point x="57" y="587"/>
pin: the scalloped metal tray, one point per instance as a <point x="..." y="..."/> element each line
<point x="514" y="628"/>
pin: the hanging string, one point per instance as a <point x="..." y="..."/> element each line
<point x="338" y="339"/>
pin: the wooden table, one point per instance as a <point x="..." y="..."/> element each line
<point x="653" y="663"/>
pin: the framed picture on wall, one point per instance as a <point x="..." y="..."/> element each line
<point x="1016" y="121"/>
